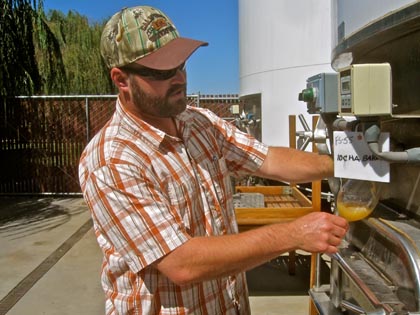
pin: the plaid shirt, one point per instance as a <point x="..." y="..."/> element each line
<point x="150" y="193"/>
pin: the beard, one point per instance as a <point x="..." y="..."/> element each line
<point x="159" y="106"/>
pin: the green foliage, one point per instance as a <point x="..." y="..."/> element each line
<point x="53" y="55"/>
<point x="79" y="41"/>
<point x="18" y="68"/>
<point x="49" y="58"/>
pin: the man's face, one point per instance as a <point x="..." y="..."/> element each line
<point x="169" y="104"/>
<point x="164" y="106"/>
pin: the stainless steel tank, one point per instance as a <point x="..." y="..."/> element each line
<point x="378" y="269"/>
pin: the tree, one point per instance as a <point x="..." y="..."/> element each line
<point x="52" y="54"/>
<point x="79" y="42"/>
<point x="22" y="28"/>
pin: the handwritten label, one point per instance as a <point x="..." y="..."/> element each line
<point x="353" y="158"/>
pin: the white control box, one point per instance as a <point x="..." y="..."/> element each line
<point x="365" y="90"/>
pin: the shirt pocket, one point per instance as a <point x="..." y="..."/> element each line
<point x="182" y="197"/>
<point x="220" y="179"/>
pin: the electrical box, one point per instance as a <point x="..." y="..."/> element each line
<point x="234" y="109"/>
<point x="321" y="93"/>
<point x="365" y="90"/>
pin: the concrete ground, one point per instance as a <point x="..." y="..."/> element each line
<point x="50" y="264"/>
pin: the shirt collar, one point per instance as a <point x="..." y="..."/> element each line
<point x="140" y="127"/>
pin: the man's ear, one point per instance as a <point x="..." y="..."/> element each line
<point x="120" y="78"/>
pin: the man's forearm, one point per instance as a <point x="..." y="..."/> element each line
<point x="290" y="165"/>
<point x="204" y="258"/>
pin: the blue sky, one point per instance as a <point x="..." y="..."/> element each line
<point x="212" y="69"/>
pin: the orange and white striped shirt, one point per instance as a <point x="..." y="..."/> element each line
<point x="149" y="193"/>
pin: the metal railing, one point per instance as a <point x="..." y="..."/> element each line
<point x="42" y="138"/>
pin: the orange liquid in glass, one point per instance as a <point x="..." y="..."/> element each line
<point x="353" y="212"/>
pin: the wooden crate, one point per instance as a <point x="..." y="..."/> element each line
<point x="282" y="204"/>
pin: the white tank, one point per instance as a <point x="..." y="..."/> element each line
<point x="378" y="31"/>
<point x="281" y="44"/>
<point x="356" y="14"/>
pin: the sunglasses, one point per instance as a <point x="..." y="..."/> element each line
<point x="153" y="74"/>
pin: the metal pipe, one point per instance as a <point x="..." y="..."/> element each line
<point x="87" y="113"/>
<point x="57" y="194"/>
<point x="318" y="271"/>
<point x="65" y="96"/>
<point x="345" y="125"/>
<point x="304" y="123"/>
<point x="352" y="307"/>
<point x="369" y="295"/>
<point x="358" y="310"/>
<point x="371" y="135"/>
<point x="372" y="138"/>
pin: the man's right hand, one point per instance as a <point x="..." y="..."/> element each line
<point x="319" y="232"/>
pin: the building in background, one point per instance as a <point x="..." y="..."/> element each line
<point x="281" y="44"/>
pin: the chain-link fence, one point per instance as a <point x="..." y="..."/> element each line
<point x="42" y="138"/>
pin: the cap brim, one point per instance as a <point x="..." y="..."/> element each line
<point x="172" y="54"/>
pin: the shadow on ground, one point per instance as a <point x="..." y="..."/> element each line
<point x="23" y="216"/>
<point x="273" y="278"/>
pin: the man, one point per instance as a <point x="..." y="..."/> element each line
<point x="157" y="181"/>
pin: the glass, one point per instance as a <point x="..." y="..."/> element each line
<point x="153" y="74"/>
<point x="357" y="199"/>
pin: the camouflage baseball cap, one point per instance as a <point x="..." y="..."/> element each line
<point x="144" y="35"/>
